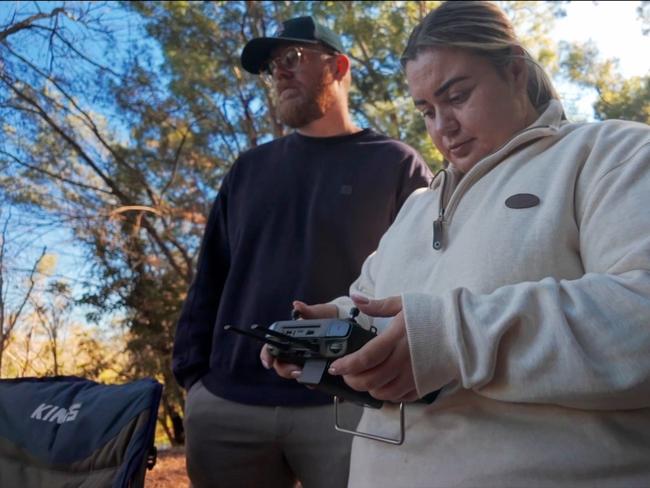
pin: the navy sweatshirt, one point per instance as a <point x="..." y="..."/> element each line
<point x="294" y="219"/>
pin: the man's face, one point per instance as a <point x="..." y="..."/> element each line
<point x="469" y="108"/>
<point x="303" y="88"/>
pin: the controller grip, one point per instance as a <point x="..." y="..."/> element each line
<point x="315" y="374"/>
<point x="336" y="386"/>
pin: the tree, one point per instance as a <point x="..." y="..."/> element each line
<point x="202" y="41"/>
<point x="618" y="98"/>
<point x="643" y="12"/>
<point x="53" y="315"/>
<point x="13" y="308"/>
<point x="116" y="193"/>
<point x="123" y="135"/>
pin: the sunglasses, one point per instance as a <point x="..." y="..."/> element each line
<point x="290" y="59"/>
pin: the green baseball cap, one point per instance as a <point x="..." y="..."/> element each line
<point x="303" y="30"/>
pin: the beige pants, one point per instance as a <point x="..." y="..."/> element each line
<point x="234" y="445"/>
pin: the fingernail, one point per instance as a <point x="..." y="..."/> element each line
<point x="266" y="365"/>
<point x="332" y="371"/>
<point x="359" y="299"/>
<point x="296" y="373"/>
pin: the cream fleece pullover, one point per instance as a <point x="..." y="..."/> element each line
<point x="535" y="321"/>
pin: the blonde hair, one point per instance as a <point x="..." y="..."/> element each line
<point x="484" y="29"/>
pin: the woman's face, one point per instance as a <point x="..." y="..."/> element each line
<point x="470" y="109"/>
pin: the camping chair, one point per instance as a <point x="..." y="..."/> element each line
<point x="69" y="432"/>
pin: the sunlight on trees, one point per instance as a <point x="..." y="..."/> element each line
<point x="121" y="119"/>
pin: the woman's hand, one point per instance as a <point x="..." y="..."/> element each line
<point x="318" y="311"/>
<point x="382" y="366"/>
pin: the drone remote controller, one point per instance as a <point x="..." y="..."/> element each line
<point x="314" y="344"/>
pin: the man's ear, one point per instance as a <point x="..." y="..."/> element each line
<point x="342" y="66"/>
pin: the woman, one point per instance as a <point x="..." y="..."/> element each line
<point x="528" y="304"/>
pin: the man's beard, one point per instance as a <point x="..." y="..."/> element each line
<point x="303" y="109"/>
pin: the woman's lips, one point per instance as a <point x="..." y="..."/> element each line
<point x="461" y="149"/>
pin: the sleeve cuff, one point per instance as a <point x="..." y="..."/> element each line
<point x="433" y="359"/>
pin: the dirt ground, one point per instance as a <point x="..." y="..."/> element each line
<point x="169" y="471"/>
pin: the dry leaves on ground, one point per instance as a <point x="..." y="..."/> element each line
<point x="169" y="471"/>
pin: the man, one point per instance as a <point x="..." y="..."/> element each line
<point x="294" y="220"/>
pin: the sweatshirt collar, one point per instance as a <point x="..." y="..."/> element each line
<point x="546" y="124"/>
<point x="552" y="116"/>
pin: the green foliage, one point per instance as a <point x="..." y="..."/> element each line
<point x="534" y="22"/>
<point x="127" y="149"/>
<point x="375" y="37"/>
<point x="618" y="98"/>
<point x="643" y="12"/>
<point x="202" y="42"/>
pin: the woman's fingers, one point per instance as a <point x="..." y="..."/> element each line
<point x="317" y="311"/>
<point x="383" y="307"/>
<point x="375" y="351"/>
<point x="382" y="366"/>
<point x="288" y="370"/>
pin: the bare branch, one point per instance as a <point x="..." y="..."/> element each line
<point x="90" y="123"/>
<point x="68" y="138"/>
<point x="28" y="23"/>
<point x="54" y="175"/>
<point x="170" y="257"/>
<point x="175" y="163"/>
<point x="2" y="289"/>
<point x="76" y="51"/>
<point x="127" y="208"/>
<point x="6" y="328"/>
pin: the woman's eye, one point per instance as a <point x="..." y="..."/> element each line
<point x="458" y="97"/>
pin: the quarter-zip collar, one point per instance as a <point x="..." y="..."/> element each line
<point x="456" y="185"/>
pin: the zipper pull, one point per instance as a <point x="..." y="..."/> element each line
<point x="437" y="224"/>
<point x="437" y="233"/>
